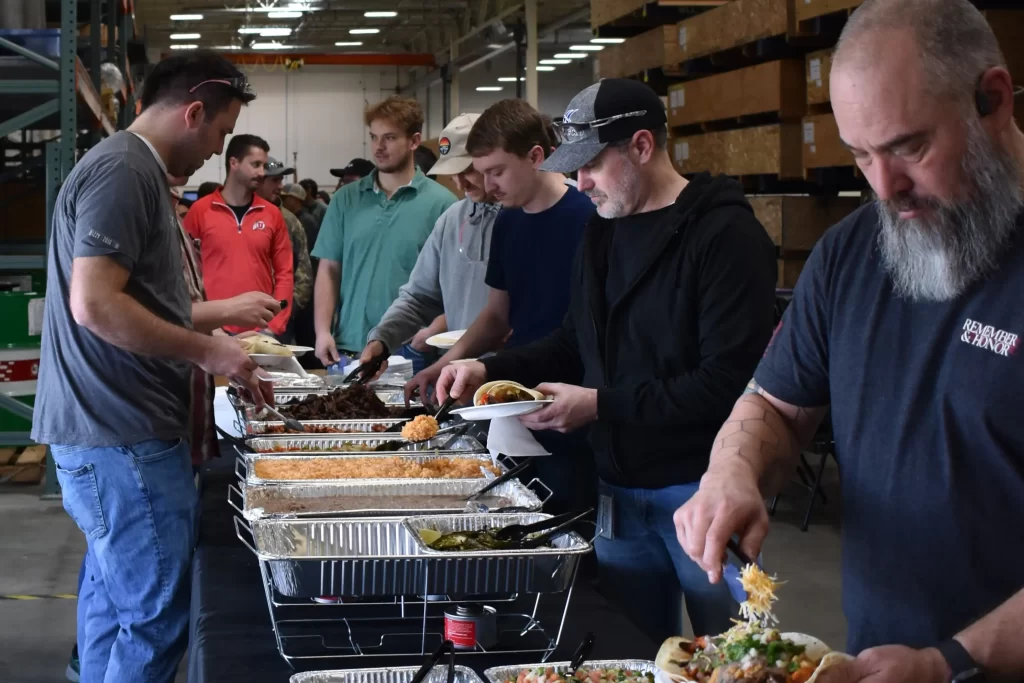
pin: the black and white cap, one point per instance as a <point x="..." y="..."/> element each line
<point x="609" y="111"/>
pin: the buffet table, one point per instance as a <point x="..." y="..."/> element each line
<point x="230" y="632"/>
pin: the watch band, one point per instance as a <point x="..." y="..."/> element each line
<point x="960" y="662"/>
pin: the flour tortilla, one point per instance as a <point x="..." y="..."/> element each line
<point x="260" y="343"/>
<point x="490" y="387"/>
<point x="672" y="658"/>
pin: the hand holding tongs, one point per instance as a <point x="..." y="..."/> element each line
<point x="519" y="534"/>
<point x="366" y="370"/>
<point x="432" y="661"/>
<point x="731" y="573"/>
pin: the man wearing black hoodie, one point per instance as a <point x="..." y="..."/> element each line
<point x="671" y="308"/>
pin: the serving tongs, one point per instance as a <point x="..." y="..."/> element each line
<point x="365" y="371"/>
<point x="498" y="481"/>
<point x="582" y="652"/>
<point x="400" y="444"/>
<point x="289" y="422"/>
<point x="731" y="573"/>
<point x="522" y="535"/>
<point x="433" y="660"/>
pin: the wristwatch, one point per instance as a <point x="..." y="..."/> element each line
<point x="963" y="666"/>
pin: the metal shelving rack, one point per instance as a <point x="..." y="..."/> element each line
<point x="40" y="93"/>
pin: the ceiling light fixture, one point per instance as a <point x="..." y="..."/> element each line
<point x="275" y="32"/>
<point x="227" y="47"/>
<point x="489" y="88"/>
<point x="495" y="46"/>
<point x="185" y="36"/>
<point x="363" y="31"/>
<point x="571" y="55"/>
<point x="554" y="61"/>
<point x="348" y="43"/>
<point x="545" y="68"/>
<point x="271" y="45"/>
<point x="587" y="48"/>
<point x="249" y="29"/>
<point x="184" y="46"/>
<point x="186" y="17"/>
<point x="380" y="15"/>
<point x="607" y="41"/>
<point x="510" y="79"/>
<point x="286" y="14"/>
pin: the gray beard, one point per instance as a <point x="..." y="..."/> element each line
<point x="938" y="258"/>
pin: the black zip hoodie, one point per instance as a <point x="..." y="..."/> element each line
<point x="670" y="357"/>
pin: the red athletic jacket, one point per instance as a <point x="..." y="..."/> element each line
<point x="254" y="255"/>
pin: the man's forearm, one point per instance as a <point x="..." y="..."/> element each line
<point x="325" y="296"/>
<point x="486" y="334"/>
<point x="766" y="438"/>
<point x="404" y="318"/>
<point x="994" y="641"/>
<point x="208" y="316"/>
<point x="125" y="323"/>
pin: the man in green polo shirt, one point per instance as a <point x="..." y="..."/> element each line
<point x="372" y="233"/>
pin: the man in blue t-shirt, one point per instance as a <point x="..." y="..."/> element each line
<point x="907" y="321"/>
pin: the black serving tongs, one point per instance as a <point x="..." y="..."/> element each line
<point x="433" y="660"/>
<point x="582" y="653"/>
<point x="289" y="423"/>
<point x="499" y="480"/>
<point x="399" y="444"/>
<point x="365" y="371"/>
<point x="519" y="535"/>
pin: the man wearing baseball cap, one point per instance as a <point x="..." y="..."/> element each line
<point x="355" y="170"/>
<point x="446" y="289"/>
<point x="671" y="307"/>
<point x="271" y="189"/>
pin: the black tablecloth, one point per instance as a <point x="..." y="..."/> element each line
<point x="231" y="637"/>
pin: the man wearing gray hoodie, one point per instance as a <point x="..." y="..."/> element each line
<point x="446" y="289"/>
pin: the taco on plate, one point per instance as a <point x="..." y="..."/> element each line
<point x="747" y="653"/>
<point x="504" y="392"/>
<point x="261" y="343"/>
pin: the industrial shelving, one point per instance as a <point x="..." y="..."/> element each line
<point x="40" y="92"/>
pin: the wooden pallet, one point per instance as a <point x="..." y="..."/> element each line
<point x="649" y="50"/>
<point x="773" y="87"/>
<point x="22" y="465"/>
<point x="796" y="222"/>
<point x="822" y="145"/>
<point x="762" y="150"/>
<point x="611" y="17"/>
<point x="735" y="24"/>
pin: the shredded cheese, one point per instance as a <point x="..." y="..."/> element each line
<point x="760" y="588"/>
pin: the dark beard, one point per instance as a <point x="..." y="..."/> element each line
<point x="395" y="167"/>
<point x="938" y="258"/>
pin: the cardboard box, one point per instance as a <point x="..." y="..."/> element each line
<point x="764" y="150"/>
<point x="796" y="222"/>
<point x="823" y="148"/>
<point x="734" y="24"/>
<point x="606" y="11"/>
<point x="809" y="9"/>
<point x="650" y="50"/>
<point x="789" y="272"/>
<point x="819" y="68"/>
<point x="771" y="87"/>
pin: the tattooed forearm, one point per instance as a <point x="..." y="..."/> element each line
<point x="764" y="433"/>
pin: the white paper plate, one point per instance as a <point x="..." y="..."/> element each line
<point x="299" y="350"/>
<point x="279" y="363"/>
<point x="445" y="340"/>
<point x="491" y="412"/>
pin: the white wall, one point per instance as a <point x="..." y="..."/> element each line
<point x="316" y="112"/>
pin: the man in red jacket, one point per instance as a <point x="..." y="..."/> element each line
<point x="243" y="239"/>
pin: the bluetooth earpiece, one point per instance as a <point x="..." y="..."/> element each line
<point x="983" y="103"/>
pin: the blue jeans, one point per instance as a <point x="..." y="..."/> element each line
<point x="645" y="572"/>
<point x="421" y="360"/>
<point x="137" y="506"/>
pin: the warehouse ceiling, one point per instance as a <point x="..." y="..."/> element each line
<point x="417" y="26"/>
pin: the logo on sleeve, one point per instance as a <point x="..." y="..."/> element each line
<point x="988" y="337"/>
<point x="444" y="146"/>
<point x="259" y="225"/>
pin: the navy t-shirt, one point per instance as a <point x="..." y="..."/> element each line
<point x="531" y="259"/>
<point x="929" y="434"/>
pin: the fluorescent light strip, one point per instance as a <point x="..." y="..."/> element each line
<point x="489" y="88"/>
<point x="607" y="41"/>
<point x="275" y="32"/>
<point x="545" y="68"/>
<point x="186" y="17"/>
<point x="554" y="61"/>
<point x="510" y="79"/>
<point x="380" y="15"/>
<point x="288" y="14"/>
<point x="227" y="47"/>
<point x="363" y="31"/>
<point x="249" y="29"/>
<point x="184" y="46"/>
<point x="348" y="43"/>
<point x="572" y="55"/>
<point x="587" y="48"/>
<point x="185" y="36"/>
<point x="271" y="45"/>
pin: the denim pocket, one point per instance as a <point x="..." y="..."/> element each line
<point x="154" y="450"/>
<point x="82" y="499"/>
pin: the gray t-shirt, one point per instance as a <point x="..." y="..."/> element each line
<point x="115" y="203"/>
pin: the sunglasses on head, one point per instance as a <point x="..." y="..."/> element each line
<point x="240" y="83"/>
<point x="575" y="129"/>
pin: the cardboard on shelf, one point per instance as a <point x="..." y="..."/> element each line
<point x="771" y="87"/>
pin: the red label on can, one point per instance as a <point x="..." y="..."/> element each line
<point x="461" y="633"/>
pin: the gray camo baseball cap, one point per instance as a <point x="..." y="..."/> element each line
<point x="637" y="104"/>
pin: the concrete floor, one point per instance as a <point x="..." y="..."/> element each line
<point x="41" y="550"/>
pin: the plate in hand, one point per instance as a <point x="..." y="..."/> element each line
<point x="496" y="410"/>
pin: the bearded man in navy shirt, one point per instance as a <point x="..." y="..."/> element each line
<point x="906" y="321"/>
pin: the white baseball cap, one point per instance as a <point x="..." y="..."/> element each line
<point x="454" y="158"/>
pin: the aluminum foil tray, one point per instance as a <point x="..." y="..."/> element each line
<point x="245" y="466"/>
<point x="387" y="394"/>
<point x="395" y="674"/>
<point x="296" y="501"/>
<point x="569" y="543"/>
<point x="500" y="674"/>
<point x="258" y="427"/>
<point x="333" y="443"/>
<point x="380" y="557"/>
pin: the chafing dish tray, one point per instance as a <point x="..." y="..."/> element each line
<point x="376" y="426"/>
<point x="246" y="465"/>
<point x="396" y="674"/>
<point x="357" y="443"/>
<point x="367" y="498"/>
<point x="500" y="674"/>
<point x="381" y="557"/>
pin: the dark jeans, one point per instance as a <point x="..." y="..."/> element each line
<point x="644" y="570"/>
<point x="420" y="360"/>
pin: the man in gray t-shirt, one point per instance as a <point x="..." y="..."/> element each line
<point x="117" y="353"/>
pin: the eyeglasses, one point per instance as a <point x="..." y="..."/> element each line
<point x="240" y="83"/>
<point x="572" y="129"/>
